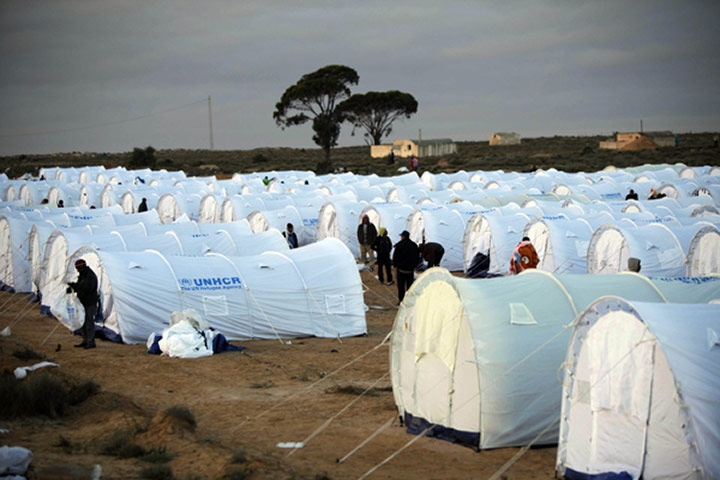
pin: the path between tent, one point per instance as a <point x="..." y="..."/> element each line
<point x="223" y="391"/>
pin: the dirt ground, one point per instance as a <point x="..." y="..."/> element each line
<point x="244" y="404"/>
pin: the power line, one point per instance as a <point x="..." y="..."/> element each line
<point x="101" y="124"/>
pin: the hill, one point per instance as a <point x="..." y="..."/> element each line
<point x="570" y="154"/>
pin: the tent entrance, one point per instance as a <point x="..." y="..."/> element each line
<point x="609" y="252"/>
<point x="611" y="397"/>
<point x="539" y="234"/>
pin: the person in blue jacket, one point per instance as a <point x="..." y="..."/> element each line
<point x="290" y="236"/>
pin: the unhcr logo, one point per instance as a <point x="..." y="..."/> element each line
<point x="210" y="283"/>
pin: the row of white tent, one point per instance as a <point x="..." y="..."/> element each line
<point x="671" y="237"/>
<point x="595" y="237"/>
<point x="490" y="189"/>
<point x="250" y="285"/>
<point x="477" y="361"/>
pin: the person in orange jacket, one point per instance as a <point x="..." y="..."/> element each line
<point x="523" y="257"/>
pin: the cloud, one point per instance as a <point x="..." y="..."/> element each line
<point x="540" y="66"/>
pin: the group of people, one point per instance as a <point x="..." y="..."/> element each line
<point x="407" y="256"/>
<point x="654" y="195"/>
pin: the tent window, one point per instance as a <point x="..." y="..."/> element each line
<point x="335" y="304"/>
<point x="520" y="315"/>
<point x="583" y="391"/>
<point x="215" y="305"/>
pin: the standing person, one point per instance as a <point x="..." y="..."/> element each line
<point x="523" y="257"/>
<point x="405" y="259"/>
<point x="366" y="234"/>
<point x="290" y="236"/>
<point x="392" y="155"/>
<point x="143" y="206"/>
<point x="655" y="195"/>
<point x="266" y="181"/>
<point x="631" y="195"/>
<point x="432" y="253"/>
<point x="413" y="163"/>
<point x="60" y="204"/>
<point x="383" y="246"/>
<point x="86" y="288"/>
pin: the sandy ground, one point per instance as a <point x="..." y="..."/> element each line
<point x="236" y="399"/>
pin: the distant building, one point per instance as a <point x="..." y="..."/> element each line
<point x="419" y="148"/>
<point x="505" y="138"/>
<point x="639" y="141"/>
<point x="664" y="138"/>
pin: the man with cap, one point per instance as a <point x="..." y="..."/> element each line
<point x="405" y="259"/>
<point x="86" y="288"/>
<point x="383" y="246"/>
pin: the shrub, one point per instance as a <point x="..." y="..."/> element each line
<point x="260" y="158"/>
<point x="120" y="444"/>
<point x="323" y="166"/>
<point x="158" y="455"/>
<point x="81" y="392"/>
<point x="237" y="473"/>
<point x="239" y="457"/>
<point x="157" y="472"/>
<point x="37" y="395"/>
<point x="66" y="445"/>
<point x="28" y="354"/>
<point x="142" y="157"/>
<point x="181" y="412"/>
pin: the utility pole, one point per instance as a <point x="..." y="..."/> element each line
<point x="641" y="126"/>
<point x="212" y="147"/>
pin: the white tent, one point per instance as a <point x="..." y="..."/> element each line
<point x="478" y="358"/>
<point x="14" y="265"/>
<point x="495" y="236"/>
<point x="656" y="246"/>
<point x="561" y="243"/>
<point x="641" y="394"/>
<point x="701" y="244"/>
<point x="439" y="224"/>
<point x="391" y="216"/>
<point x="314" y="290"/>
<point x="340" y="220"/>
<point x="240" y="206"/>
<point x="278" y="219"/>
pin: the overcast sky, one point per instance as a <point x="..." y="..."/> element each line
<point x="85" y="69"/>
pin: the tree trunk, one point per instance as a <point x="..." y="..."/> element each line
<point x="377" y="138"/>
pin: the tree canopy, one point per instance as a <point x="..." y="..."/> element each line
<point x="376" y="111"/>
<point x="316" y="97"/>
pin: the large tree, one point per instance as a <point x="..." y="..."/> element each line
<point x="376" y="111"/>
<point x="316" y="97"/>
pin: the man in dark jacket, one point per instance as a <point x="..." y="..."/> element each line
<point x="383" y="246"/>
<point x="86" y="288"/>
<point x="143" y="206"/>
<point x="366" y="233"/>
<point x="432" y="253"/>
<point x="290" y="236"/>
<point x="632" y="195"/>
<point x="405" y="259"/>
